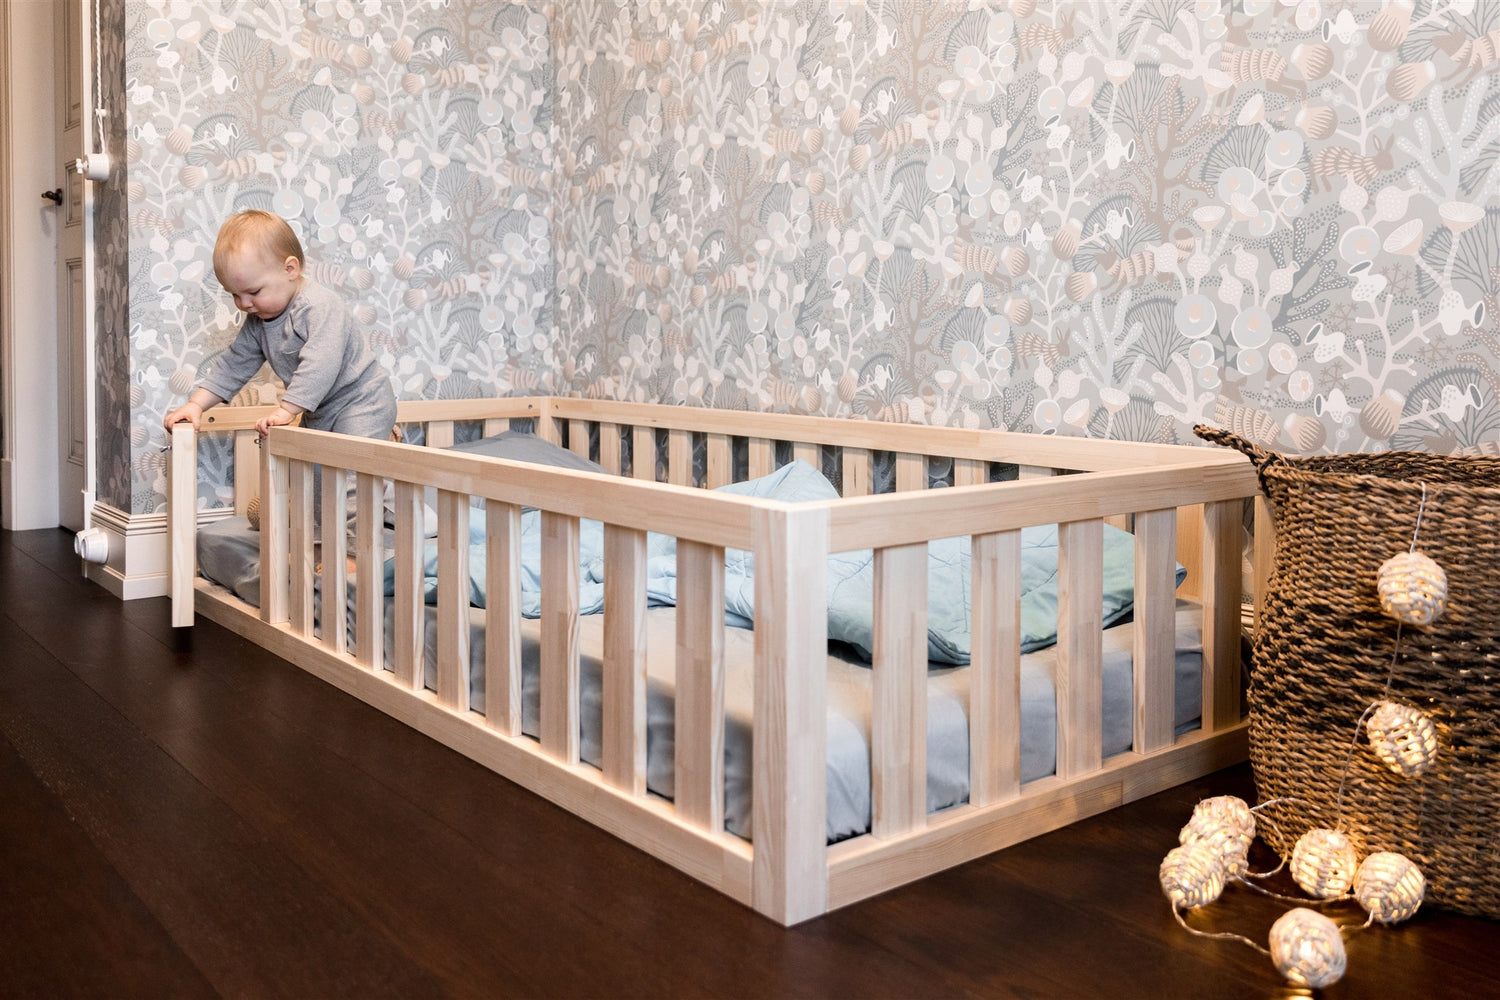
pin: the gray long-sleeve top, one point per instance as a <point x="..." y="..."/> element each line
<point x="315" y="350"/>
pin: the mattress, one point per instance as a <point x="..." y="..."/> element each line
<point x="228" y="554"/>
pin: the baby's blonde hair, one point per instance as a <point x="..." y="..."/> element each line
<point x="259" y="231"/>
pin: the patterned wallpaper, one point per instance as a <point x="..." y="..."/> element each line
<point x="405" y="140"/>
<point x="1115" y="219"/>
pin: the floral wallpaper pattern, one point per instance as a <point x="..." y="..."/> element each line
<point x="1114" y="219"/>
<point x="405" y="140"/>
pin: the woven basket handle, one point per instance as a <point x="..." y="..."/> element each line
<point x="1259" y="457"/>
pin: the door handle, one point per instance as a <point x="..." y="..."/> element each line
<point x="53" y="196"/>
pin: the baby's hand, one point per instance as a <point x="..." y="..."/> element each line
<point x="187" y="411"/>
<point x="276" y="418"/>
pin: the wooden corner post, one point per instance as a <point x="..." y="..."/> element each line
<point x="790" y="870"/>
<point x="182" y="521"/>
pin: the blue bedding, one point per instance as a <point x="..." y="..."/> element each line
<point x="850" y="575"/>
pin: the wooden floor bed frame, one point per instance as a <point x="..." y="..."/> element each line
<point x="1184" y="504"/>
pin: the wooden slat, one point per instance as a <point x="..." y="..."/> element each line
<point x="369" y="571"/>
<point x="334" y="576"/>
<point x="548" y="427"/>
<point x="969" y="472"/>
<point x="453" y="600"/>
<point x="911" y="472"/>
<point x="182" y="522"/>
<point x="1154" y="656"/>
<point x="1080" y="648"/>
<point x="1222" y="546"/>
<point x="609" y="448"/>
<point x="406" y="605"/>
<point x="300" y="503"/>
<point x="275" y="567"/>
<point x="440" y="434"/>
<point x="1190" y="550"/>
<point x="624" y="736"/>
<point x="898" y="725"/>
<point x="857" y="475"/>
<point x="789" y="873"/>
<point x="1034" y="472"/>
<point x="720" y="471"/>
<point x="502" y="617"/>
<point x="698" y="750"/>
<point x="495" y="426"/>
<point x="762" y="457"/>
<point x="559" y="669"/>
<point x="578" y="438"/>
<point x="643" y="454"/>
<point x="995" y="685"/>
<point x="680" y="457"/>
<point x="1264" y="555"/>
<point x="809" y="452"/>
<point x="246" y="469"/>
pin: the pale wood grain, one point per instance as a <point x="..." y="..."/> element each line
<point x="502" y="617"/>
<point x="624" y="736"/>
<point x="643" y="454"/>
<point x="1080" y="647"/>
<point x="679" y="457"/>
<point x="1154" y="653"/>
<point x="559" y="668"/>
<point x="857" y="476"/>
<point x="453" y="599"/>
<point x="246" y="469"/>
<point x="720" y="469"/>
<point x="1221" y="613"/>
<point x="790" y="877"/>
<point x="182" y="515"/>
<point x="762" y="457"/>
<point x="440" y="434"/>
<point x="334" y="574"/>
<point x="609" y="448"/>
<point x="369" y="571"/>
<point x="698" y="749"/>
<point x="275" y="566"/>
<point x="995" y="666"/>
<point x="407" y="602"/>
<point x="300" y="504"/>
<point x="969" y="472"/>
<point x="809" y="452"/>
<point x="911" y="472"/>
<point x="578" y="438"/>
<point x="898" y="721"/>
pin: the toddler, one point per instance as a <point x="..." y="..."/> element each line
<point x="300" y="328"/>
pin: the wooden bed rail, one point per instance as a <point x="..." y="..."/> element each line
<point x="789" y="872"/>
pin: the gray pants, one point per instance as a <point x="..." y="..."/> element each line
<point x="371" y="417"/>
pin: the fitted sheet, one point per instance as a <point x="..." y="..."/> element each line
<point x="229" y="554"/>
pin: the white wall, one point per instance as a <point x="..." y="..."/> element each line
<point x="28" y="263"/>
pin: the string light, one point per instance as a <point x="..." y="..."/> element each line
<point x="1403" y="737"/>
<point x="1389" y="887"/>
<point x="1192" y="875"/>
<point x="1307" y="948"/>
<point x="1413" y="589"/>
<point x="1324" y="863"/>
<point x="1226" y="824"/>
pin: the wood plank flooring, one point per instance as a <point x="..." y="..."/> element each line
<point x="185" y="815"/>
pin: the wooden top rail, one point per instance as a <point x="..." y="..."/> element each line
<point x="697" y="515"/>
<point x="905" y="518"/>
<point x="410" y="411"/>
<point x="990" y="445"/>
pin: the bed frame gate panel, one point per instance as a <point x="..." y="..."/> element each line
<point x="789" y="873"/>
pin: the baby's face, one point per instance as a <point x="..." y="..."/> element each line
<point x="261" y="285"/>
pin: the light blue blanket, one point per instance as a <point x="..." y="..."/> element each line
<point x="850" y="575"/>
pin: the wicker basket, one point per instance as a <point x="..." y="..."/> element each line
<point x="1325" y="651"/>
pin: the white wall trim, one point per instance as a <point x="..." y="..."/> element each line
<point x="138" y="554"/>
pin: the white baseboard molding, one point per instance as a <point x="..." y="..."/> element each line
<point x="138" y="560"/>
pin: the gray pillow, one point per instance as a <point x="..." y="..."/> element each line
<point x="517" y="446"/>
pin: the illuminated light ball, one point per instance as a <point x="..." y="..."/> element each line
<point x="1308" y="949"/>
<point x="1226" y="824"/>
<point x="252" y="513"/>
<point x="1389" y="887"/>
<point x="1413" y="589"/>
<point x="1403" y="737"/>
<point x="1192" y="875"/>
<point x="1323" y="863"/>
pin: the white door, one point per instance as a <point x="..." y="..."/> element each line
<point x="72" y="321"/>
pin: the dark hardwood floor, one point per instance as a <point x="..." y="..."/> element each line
<point x="185" y="815"/>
